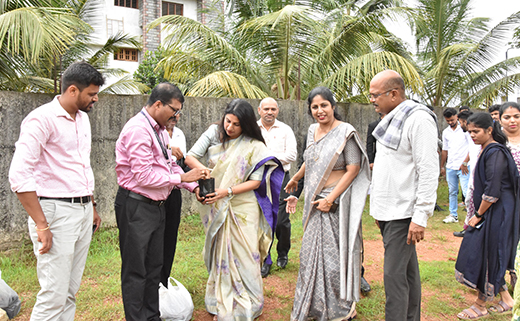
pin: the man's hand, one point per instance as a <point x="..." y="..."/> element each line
<point x="290" y="207"/>
<point x="97" y="219"/>
<point x="177" y="152"/>
<point x="415" y="233"/>
<point x="377" y="223"/>
<point x="371" y="166"/>
<point x="464" y="169"/>
<point x="443" y="171"/>
<point x="45" y="237"/>
<point x="195" y="174"/>
<point x="199" y="198"/>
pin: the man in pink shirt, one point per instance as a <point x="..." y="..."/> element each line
<point x="146" y="174"/>
<point x="51" y="175"/>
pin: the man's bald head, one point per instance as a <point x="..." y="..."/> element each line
<point x="387" y="91"/>
<point x="391" y="79"/>
<point x="268" y="111"/>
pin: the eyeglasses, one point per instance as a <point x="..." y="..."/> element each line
<point x="375" y="96"/>
<point x="176" y="112"/>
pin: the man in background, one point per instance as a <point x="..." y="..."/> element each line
<point x="454" y="161"/>
<point x="280" y="140"/>
<point x="173" y="204"/>
<point x="494" y="110"/>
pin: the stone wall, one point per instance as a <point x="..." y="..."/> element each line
<point x="108" y="118"/>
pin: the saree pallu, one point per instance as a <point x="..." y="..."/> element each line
<point x="239" y="229"/>
<point x="330" y="258"/>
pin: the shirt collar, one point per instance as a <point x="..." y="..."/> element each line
<point x="456" y="128"/>
<point x="155" y="125"/>
<point x="276" y="124"/>
<point x="59" y="111"/>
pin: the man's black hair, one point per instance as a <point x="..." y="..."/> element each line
<point x="493" y="108"/>
<point x="165" y="92"/>
<point x="465" y="114"/>
<point x="449" y="112"/>
<point x="462" y="108"/>
<point x="81" y="74"/>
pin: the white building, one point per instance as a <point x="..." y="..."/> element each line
<point x="132" y="17"/>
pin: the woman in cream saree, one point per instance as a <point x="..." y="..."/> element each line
<point x="336" y="184"/>
<point x="239" y="217"/>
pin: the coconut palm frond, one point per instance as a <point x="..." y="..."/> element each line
<point x="125" y="86"/>
<point x="226" y="84"/>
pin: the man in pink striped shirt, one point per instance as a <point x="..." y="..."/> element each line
<point x="146" y="174"/>
<point x="51" y="175"/>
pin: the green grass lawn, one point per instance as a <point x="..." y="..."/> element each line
<point x="100" y="296"/>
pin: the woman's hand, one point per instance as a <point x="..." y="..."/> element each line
<point x="323" y="205"/>
<point x="290" y="207"/>
<point x="213" y="197"/>
<point x="473" y="221"/>
<point x="291" y="186"/>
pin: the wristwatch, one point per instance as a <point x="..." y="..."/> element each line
<point x="229" y="191"/>
<point x="465" y="163"/>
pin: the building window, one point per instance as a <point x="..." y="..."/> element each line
<point x="114" y="27"/>
<point x="126" y="3"/>
<point x="126" y="54"/>
<point x="169" y="8"/>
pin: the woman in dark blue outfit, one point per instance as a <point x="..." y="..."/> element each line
<point x="489" y="246"/>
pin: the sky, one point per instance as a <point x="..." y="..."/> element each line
<point x="497" y="10"/>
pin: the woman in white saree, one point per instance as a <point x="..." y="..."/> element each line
<point x="336" y="183"/>
<point x="239" y="218"/>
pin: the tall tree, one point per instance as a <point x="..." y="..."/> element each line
<point x="41" y="38"/>
<point x="456" y="52"/>
<point x="286" y="53"/>
<point x="32" y="30"/>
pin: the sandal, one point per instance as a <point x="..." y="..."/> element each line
<point x="501" y="307"/>
<point x="472" y="313"/>
<point x="351" y="316"/>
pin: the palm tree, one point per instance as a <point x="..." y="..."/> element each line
<point x="285" y="53"/>
<point x="456" y="52"/>
<point x="40" y="71"/>
<point x="31" y="30"/>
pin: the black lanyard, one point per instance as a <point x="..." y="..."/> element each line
<point x="164" y="150"/>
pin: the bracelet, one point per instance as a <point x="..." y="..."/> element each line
<point x="94" y="203"/>
<point x="42" y="229"/>
<point x="328" y="203"/>
<point x="230" y="191"/>
<point x="478" y="215"/>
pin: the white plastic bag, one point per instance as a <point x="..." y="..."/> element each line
<point x="9" y="300"/>
<point x="175" y="303"/>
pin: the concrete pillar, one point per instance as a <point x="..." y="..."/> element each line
<point x="149" y="11"/>
<point x="210" y="13"/>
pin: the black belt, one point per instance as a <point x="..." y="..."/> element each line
<point x="82" y="200"/>
<point x="145" y="199"/>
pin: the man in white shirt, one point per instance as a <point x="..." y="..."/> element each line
<point x="173" y="204"/>
<point x="404" y="189"/>
<point x="455" y="148"/>
<point x="281" y="141"/>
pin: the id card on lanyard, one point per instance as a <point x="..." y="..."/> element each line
<point x="161" y="144"/>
